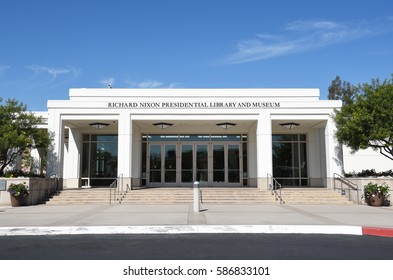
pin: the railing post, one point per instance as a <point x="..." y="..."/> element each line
<point x="110" y="193"/>
<point x="197" y="197"/>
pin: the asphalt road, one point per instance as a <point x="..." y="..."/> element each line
<point x="196" y="246"/>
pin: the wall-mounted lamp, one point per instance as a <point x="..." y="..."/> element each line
<point x="289" y="125"/>
<point x="226" y="125"/>
<point x="98" y="125"/>
<point x="162" y="125"/>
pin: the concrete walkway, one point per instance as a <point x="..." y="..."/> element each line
<point x="41" y="219"/>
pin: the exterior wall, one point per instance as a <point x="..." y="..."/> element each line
<point x="365" y="159"/>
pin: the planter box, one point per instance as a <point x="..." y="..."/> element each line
<point x="39" y="188"/>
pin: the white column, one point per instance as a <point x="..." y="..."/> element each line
<point x="55" y="152"/>
<point x="124" y="147"/>
<point x="72" y="168"/>
<point x="264" y="149"/>
<point x="334" y="161"/>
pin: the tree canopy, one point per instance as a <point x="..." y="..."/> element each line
<point x="341" y="90"/>
<point x="366" y="117"/>
<point x="18" y="132"/>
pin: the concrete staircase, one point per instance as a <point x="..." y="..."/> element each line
<point x="318" y="196"/>
<point x="313" y="196"/>
<point x="80" y="196"/>
<point x="209" y="195"/>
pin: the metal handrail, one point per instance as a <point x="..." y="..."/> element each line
<point x="348" y="183"/>
<point x="112" y="185"/>
<point x="118" y="189"/>
<point x="273" y="186"/>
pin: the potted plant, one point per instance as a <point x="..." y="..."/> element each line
<point x="376" y="194"/>
<point x="19" y="194"/>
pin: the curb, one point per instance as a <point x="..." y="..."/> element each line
<point x="186" y="229"/>
<point x="195" y="229"/>
<point x="385" y="232"/>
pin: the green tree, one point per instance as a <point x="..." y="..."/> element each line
<point x="341" y="90"/>
<point x="18" y="132"/>
<point x="366" y="120"/>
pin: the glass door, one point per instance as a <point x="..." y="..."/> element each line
<point x="226" y="165"/>
<point x="170" y="164"/>
<point x="202" y="166"/>
<point x="233" y="163"/>
<point x="187" y="164"/>
<point x="218" y="163"/>
<point x="155" y="163"/>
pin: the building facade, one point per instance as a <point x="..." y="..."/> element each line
<point x="174" y="137"/>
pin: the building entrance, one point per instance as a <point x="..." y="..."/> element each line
<point x="179" y="164"/>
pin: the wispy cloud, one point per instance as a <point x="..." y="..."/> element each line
<point x="53" y="71"/>
<point x="3" y="68"/>
<point x="301" y="36"/>
<point x="149" y="84"/>
<point x="107" y="82"/>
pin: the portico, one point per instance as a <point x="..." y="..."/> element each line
<point x="193" y="147"/>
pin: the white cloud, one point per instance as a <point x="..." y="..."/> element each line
<point x="300" y="36"/>
<point x="150" y="84"/>
<point x="107" y="82"/>
<point x="54" y="72"/>
<point x="312" y="25"/>
<point x="3" y="68"/>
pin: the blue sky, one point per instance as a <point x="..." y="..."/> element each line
<point x="49" y="46"/>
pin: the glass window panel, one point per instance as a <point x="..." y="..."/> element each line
<point x="233" y="176"/>
<point x="201" y="160"/>
<point x="303" y="160"/>
<point x="155" y="176"/>
<point x="155" y="157"/>
<point x="285" y="137"/>
<point x="170" y="156"/>
<point x="85" y="160"/>
<point x="144" y="155"/>
<point x="218" y="163"/>
<point x="245" y="161"/>
<point x="186" y="157"/>
<point x="226" y="137"/>
<point x="86" y="137"/>
<point x="170" y="176"/>
<point x="218" y="157"/>
<point x="290" y="159"/>
<point x="233" y="157"/>
<point x="202" y="176"/>
<point x="285" y="160"/>
<point x="218" y="176"/>
<point x="107" y="138"/>
<point x="163" y="138"/>
<point x="195" y="137"/>
<point x="186" y="176"/>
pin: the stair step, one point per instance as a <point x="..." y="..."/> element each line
<point x="209" y="195"/>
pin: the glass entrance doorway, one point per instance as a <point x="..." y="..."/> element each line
<point x="181" y="163"/>
<point x="290" y="159"/>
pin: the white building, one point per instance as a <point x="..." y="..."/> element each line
<point x="173" y="137"/>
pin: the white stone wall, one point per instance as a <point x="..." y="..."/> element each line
<point x="365" y="159"/>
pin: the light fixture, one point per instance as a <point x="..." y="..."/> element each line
<point x="162" y="125"/>
<point x="289" y="125"/>
<point x="98" y="125"/>
<point x="226" y="125"/>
